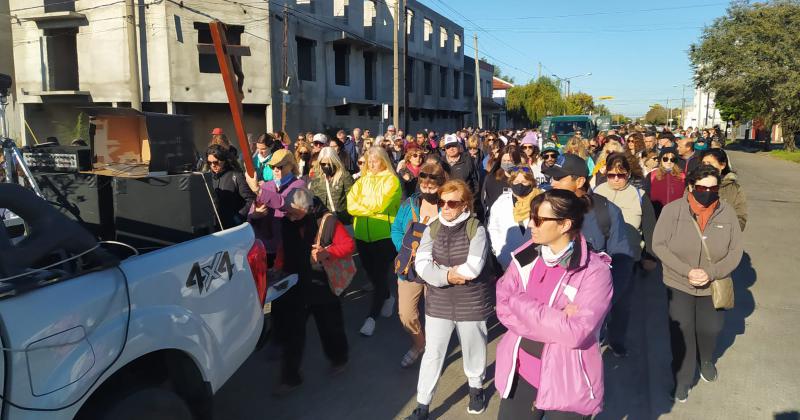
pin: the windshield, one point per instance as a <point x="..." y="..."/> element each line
<point x="569" y="127"/>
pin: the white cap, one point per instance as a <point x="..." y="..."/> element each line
<point x="503" y="139"/>
<point x="390" y="127"/>
<point x="320" y="138"/>
<point x="450" y="139"/>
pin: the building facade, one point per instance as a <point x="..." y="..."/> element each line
<point x="7" y="67"/>
<point x="703" y="112"/>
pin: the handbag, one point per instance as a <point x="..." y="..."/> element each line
<point x="404" y="262"/>
<point x="721" y="289"/>
<point x="340" y="271"/>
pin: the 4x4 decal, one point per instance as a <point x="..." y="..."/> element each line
<point x="220" y="267"/>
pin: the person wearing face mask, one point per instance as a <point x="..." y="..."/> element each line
<point x="302" y="155"/>
<point x="665" y="184"/>
<point x="267" y="212"/>
<point x="729" y="189"/>
<point x="499" y="178"/>
<point x="510" y="214"/>
<point x="552" y="300"/>
<point x="637" y="211"/>
<point x="698" y="241"/>
<point x="331" y="183"/>
<point x="415" y="214"/>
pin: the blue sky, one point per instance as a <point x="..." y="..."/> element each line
<point x="635" y="50"/>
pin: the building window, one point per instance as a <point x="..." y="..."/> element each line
<point x="410" y="24"/>
<point x="341" y="68"/>
<point x="442" y="37"/>
<point x="469" y="85"/>
<point x="59" y="6"/>
<point x="456" y="43"/>
<point x="341" y="9"/>
<point x="306" y="57"/>
<point x="342" y="110"/>
<point x="456" y="83"/>
<point x="428" y="27"/>
<point x="428" y="79"/>
<point x="410" y="74"/>
<point x="443" y="81"/>
<point x="208" y="63"/>
<point x="370" y="13"/>
<point x="62" y="58"/>
<point x="306" y="5"/>
<point x="369" y="75"/>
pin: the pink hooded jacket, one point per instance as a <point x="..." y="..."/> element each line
<point x="572" y="366"/>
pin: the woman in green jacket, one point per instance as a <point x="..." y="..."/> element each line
<point x="331" y="183"/>
<point x="374" y="201"/>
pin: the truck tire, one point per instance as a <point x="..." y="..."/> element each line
<point x="150" y="404"/>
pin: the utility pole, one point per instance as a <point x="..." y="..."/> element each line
<point x="569" y="82"/>
<point x="540" y="71"/>
<point x="407" y="113"/>
<point x="133" y="57"/>
<point x="285" y="65"/>
<point x="396" y="69"/>
<point x="683" y="105"/>
<point x="669" y="115"/>
<point x="479" y="96"/>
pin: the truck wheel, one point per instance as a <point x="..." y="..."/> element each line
<point x="150" y="404"/>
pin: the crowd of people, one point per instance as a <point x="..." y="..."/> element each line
<point x="549" y="238"/>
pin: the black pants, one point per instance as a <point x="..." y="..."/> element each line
<point x="377" y="258"/>
<point x="694" y="325"/>
<point x="290" y="314"/>
<point x="623" y="276"/>
<point x="519" y="405"/>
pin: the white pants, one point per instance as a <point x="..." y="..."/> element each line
<point x="471" y="335"/>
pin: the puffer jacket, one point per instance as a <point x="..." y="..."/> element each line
<point x="338" y="192"/>
<point x="731" y="192"/>
<point x="572" y="366"/>
<point x="505" y="233"/>
<point x="374" y="201"/>
<point x="677" y="244"/>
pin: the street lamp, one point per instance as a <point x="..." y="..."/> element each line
<point x="568" y="80"/>
<point x="683" y="101"/>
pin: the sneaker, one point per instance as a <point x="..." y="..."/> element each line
<point x="681" y="394"/>
<point x="708" y="371"/>
<point x="419" y="413"/>
<point x="411" y="357"/>
<point x="284" y="389"/>
<point x="619" y="350"/>
<point x="477" y="402"/>
<point x="339" y="369"/>
<point x="368" y="328"/>
<point x="388" y="307"/>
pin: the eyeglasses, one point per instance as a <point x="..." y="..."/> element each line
<point x="550" y="155"/>
<point x="452" y="204"/>
<point x="415" y="155"/>
<point x="538" y="220"/>
<point x="611" y="176"/>
<point x="213" y="162"/>
<point x="702" y="188"/>
<point x="668" y="159"/>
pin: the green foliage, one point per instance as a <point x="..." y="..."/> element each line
<point x="656" y="115"/>
<point x="580" y="103"/>
<point x="535" y="100"/>
<point x="601" y="109"/>
<point x="749" y="59"/>
<point x="783" y="154"/>
<point x="499" y="74"/>
<point x="66" y="132"/>
<point x="619" y="119"/>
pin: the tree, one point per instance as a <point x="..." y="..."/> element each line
<point x="535" y="100"/>
<point x="601" y="109"/>
<point x="657" y="115"/>
<point x="749" y="59"/>
<point x="580" y="103"/>
<point x="498" y="73"/>
<point x="619" y="119"/>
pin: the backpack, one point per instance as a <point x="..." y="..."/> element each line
<point x="404" y="262"/>
<point x="472" y="227"/>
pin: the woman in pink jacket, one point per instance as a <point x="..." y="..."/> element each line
<point x="553" y="299"/>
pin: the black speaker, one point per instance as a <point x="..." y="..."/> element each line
<point x="86" y="198"/>
<point x="154" y="212"/>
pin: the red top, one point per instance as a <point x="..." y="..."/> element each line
<point x="342" y="245"/>
<point x="542" y="281"/>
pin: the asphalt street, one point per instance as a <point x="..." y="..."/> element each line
<point x="759" y="374"/>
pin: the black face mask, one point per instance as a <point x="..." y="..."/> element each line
<point x="328" y="170"/>
<point x="705" y="198"/>
<point x="521" y="190"/>
<point x="305" y="156"/>
<point x="430" y="197"/>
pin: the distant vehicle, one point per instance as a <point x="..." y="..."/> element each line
<point x="96" y="334"/>
<point x="566" y="126"/>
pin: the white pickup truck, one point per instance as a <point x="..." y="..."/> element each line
<point x="91" y="335"/>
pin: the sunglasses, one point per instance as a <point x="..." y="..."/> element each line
<point x="325" y="165"/>
<point x="452" y="204"/>
<point x="550" y="155"/>
<point x="521" y="168"/>
<point x="425" y="175"/>
<point x="667" y="159"/>
<point x="617" y="176"/>
<point x="701" y="188"/>
<point x="360" y="162"/>
<point x="213" y="162"/>
<point x="538" y="220"/>
<point x="415" y="155"/>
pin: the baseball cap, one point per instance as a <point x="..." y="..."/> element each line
<point x="217" y="131"/>
<point x="568" y="164"/>
<point x="450" y="139"/>
<point x="390" y="127"/>
<point x="320" y="138"/>
<point x="549" y="147"/>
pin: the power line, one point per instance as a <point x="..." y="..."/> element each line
<point x="613" y="12"/>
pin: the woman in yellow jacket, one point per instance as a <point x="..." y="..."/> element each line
<point x="374" y="201"/>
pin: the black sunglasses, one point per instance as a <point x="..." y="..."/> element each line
<point x="668" y="159"/>
<point x="538" y="220"/>
<point x="453" y="204"/>
<point x="550" y="155"/>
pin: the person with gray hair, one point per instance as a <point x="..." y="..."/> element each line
<point x="311" y="235"/>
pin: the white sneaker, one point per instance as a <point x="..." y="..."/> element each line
<point x="388" y="307"/>
<point x="368" y="328"/>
